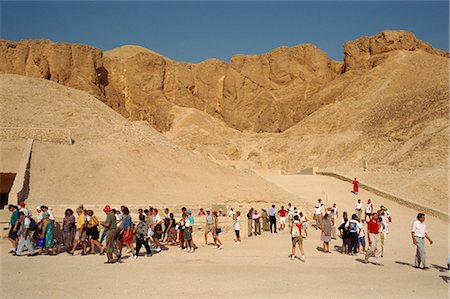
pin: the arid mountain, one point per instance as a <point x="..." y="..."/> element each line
<point x="112" y="160"/>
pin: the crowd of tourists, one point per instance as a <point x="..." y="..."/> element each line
<point x="155" y="231"/>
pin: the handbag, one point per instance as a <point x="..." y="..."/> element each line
<point x="218" y="230"/>
<point x="40" y="242"/>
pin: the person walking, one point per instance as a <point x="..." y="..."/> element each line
<point x="296" y="235"/>
<point x="93" y="230"/>
<point x="24" y="236"/>
<point x="326" y="233"/>
<point x="373" y="230"/>
<point x="141" y="234"/>
<point x="209" y="225"/>
<point x="217" y="231"/>
<point x="419" y="234"/>
<point x="80" y="235"/>
<point x="47" y="234"/>
<point x="111" y="235"/>
<point x="13" y="227"/>
<point x="69" y="230"/>
<point x="273" y="220"/>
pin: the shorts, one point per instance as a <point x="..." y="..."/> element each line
<point x="237" y="232"/>
<point x="12" y="234"/>
<point x="282" y="220"/>
<point x="297" y="240"/>
<point x="209" y="228"/>
<point x="93" y="233"/>
<point x="83" y="236"/>
<point x="158" y="232"/>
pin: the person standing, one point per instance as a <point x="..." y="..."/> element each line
<point x="373" y="230"/>
<point x="334" y="215"/>
<point x="358" y="209"/>
<point x="355" y="186"/>
<point x="290" y="214"/>
<point x="354" y="228"/>
<point x="250" y="222"/>
<point x="368" y="211"/>
<point x="418" y="234"/>
<point x="318" y="216"/>
<point x="326" y="233"/>
<point x="273" y="220"/>
<point x="282" y="214"/>
<point x="24" y="236"/>
<point x="257" y="221"/>
<point x="265" y="220"/>
<point x="111" y="235"/>
<point x="237" y="227"/>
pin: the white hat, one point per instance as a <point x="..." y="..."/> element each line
<point x="38" y="207"/>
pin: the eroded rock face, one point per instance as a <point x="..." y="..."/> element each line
<point x="74" y="65"/>
<point x="366" y="52"/>
<point x="258" y="93"/>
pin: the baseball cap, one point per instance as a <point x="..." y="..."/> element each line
<point x="107" y="208"/>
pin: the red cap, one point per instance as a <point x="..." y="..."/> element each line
<point x="22" y="204"/>
<point x="107" y="209"/>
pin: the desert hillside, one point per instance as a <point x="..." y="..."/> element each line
<point x="113" y="160"/>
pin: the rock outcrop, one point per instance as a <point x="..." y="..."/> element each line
<point x="257" y="93"/>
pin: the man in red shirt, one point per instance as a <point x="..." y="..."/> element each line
<point x="282" y="213"/>
<point x="373" y="231"/>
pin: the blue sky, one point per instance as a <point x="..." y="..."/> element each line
<point x="195" y="31"/>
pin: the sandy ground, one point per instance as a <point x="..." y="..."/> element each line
<point x="258" y="267"/>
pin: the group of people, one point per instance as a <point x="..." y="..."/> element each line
<point x="85" y="231"/>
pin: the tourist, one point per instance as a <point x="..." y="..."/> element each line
<point x="265" y="220"/>
<point x="156" y="226"/>
<point x="38" y="214"/>
<point x="209" y="225"/>
<point x="24" y="210"/>
<point x="92" y="228"/>
<point x="318" y="215"/>
<point x="334" y="215"/>
<point x="111" y="234"/>
<point x="250" y="222"/>
<point x="80" y="234"/>
<point x="140" y="212"/>
<point x="13" y="227"/>
<point x="217" y="230"/>
<point x="386" y="218"/>
<point x="373" y="231"/>
<point x="304" y="222"/>
<point x="141" y="234"/>
<point x="326" y="233"/>
<point x="290" y="211"/>
<point x="418" y="234"/>
<point x="358" y="209"/>
<point x="343" y="228"/>
<point x="355" y="186"/>
<point x="362" y="238"/>
<point x="368" y="211"/>
<point x="127" y="232"/>
<point x="353" y="226"/>
<point x="201" y="212"/>
<point x="282" y="214"/>
<point x="297" y="238"/>
<point x="231" y="213"/>
<point x="187" y="233"/>
<point x="273" y="220"/>
<point x="237" y="227"/>
<point x="256" y="219"/>
<point x="49" y="211"/>
<point x="69" y="229"/>
<point x="24" y="235"/>
<point x="166" y="221"/>
<point x="172" y="232"/>
<point x="47" y="234"/>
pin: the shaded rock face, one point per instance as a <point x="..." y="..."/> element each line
<point x="258" y="93"/>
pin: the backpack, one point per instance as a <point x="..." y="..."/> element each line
<point x="33" y="225"/>
<point x="295" y="231"/>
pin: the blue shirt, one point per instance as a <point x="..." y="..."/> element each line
<point x="126" y="222"/>
<point x="271" y="212"/>
<point x="191" y="219"/>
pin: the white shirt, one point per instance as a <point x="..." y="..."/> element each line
<point x="187" y="223"/>
<point x="157" y="219"/>
<point x="25" y="212"/>
<point x="361" y="231"/>
<point x="318" y="210"/>
<point x="237" y="223"/>
<point x="358" y="206"/>
<point x="230" y="213"/>
<point x="290" y="210"/>
<point x="368" y="208"/>
<point x="385" y="221"/>
<point x="322" y="208"/>
<point x="419" y="229"/>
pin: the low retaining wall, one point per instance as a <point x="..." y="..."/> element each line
<point x="403" y="202"/>
<point x="41" y="134"/>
